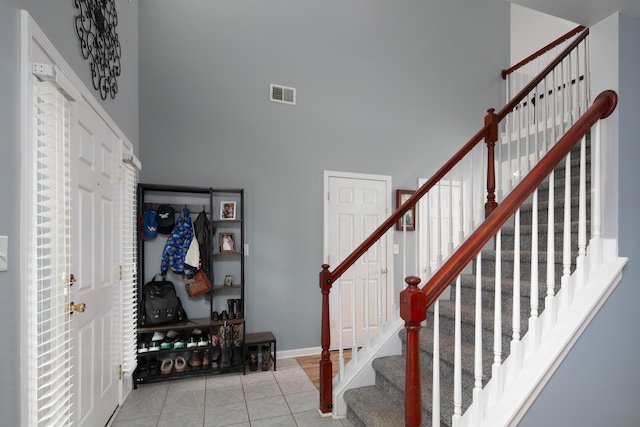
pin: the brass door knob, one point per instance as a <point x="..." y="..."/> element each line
<point x="76" y="307"/>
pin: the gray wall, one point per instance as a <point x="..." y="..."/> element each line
<point x="598" y="382"/>
<point x="55" y="17"/>
<point x="382" y="89"/>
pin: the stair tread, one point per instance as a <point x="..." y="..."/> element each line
<point x="373" y="407"/>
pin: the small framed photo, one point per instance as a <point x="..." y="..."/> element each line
<point x="227" y="242"/>
<point x="408" y="221"/>
<point x="228" y="280"/>
<point x="227" y="210"/>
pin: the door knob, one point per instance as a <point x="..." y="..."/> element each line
<point x="384" y="271"/>
<point x="76" y="307"/>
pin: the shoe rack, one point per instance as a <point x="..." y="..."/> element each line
<point x="212" y="339"/>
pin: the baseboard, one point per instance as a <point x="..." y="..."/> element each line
<point x="300" y="352"/>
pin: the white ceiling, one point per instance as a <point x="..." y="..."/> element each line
<point x="584" y="12"/>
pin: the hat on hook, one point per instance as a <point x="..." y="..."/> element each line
<point x="166" y="219"/>
<point x="149" y="225"/>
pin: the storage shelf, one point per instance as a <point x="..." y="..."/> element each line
<point x="189" y="324"/>
<point x="221" y="264"/>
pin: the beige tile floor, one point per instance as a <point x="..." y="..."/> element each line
<point x="286" y="397"/>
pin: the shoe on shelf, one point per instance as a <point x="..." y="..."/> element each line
<point x="143" y="367"/>
<point x="181" y="364"/>
<point x="215" y="316"/>
<point x="224" y="315"/>
<point x="143" y="347"/>
<point x="166" y="366"/>
<point x="192" y="342"/>
<point x="196" y="331"/>
<point x="164" y="345"/>
<point x="206" y="358"/>
<point x="155" y="346"/>
<point x="195" y="361"/>
<point x="179" y="343"/>
<point x="203" y="342"/>
<point x="172" y="334"/>
<point x="215" y="340"/>
<point x="152" y="367"/>
<point x="158" y="336"/>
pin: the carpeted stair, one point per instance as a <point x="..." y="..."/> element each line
<point x="383" y="403"/>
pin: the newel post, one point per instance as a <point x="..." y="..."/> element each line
<point x="413" y="310"/>
<point x="491" y="119"/>
<point x="326" y="368"/>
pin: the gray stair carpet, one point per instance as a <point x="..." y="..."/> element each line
<point x="382" y="404"/>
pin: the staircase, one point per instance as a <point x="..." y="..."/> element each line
<point x="382" y="404"/>
<point x="499" y="317"/>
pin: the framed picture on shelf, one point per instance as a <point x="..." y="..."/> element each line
<point x="227" y="242"/>
<point x="408" y="221"/>
<point x="228" y="280"/>
<point x="227" y="210"/>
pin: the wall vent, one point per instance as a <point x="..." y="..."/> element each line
<point x="282" y="94"/>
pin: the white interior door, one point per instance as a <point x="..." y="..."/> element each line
<point x="95" y="155"/>
<point x="356" y="205"/>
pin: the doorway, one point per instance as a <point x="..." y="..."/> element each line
<point x="73" y="269"/>
<point x="355" y="205"/>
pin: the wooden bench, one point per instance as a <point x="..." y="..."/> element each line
<point x="257" y="338"/>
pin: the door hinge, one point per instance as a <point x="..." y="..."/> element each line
<point x="119" y="372"/>
<point x="120" y="267"/>
<point x="119" y="173"/>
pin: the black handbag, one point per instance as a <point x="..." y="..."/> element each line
<point x="160" y="303"/>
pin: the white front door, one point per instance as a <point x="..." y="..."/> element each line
<point x="95" y="156"/>
<point x="356" y="205"/>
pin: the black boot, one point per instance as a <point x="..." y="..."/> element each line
<point x="225" y="340"/>
<point x="239" y="309"/>
<point x="266" y="357"/>
<point x="231" y="303"/>
<point x="253" y="357"/>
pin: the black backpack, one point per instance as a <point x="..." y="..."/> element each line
<point x="160" y="304"/>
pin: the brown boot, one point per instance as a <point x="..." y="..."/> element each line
<point x="266" y="357"/>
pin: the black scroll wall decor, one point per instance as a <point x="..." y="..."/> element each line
<point x="96" y="28"/>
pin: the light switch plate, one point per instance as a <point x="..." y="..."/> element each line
<point x="4" y="252"/>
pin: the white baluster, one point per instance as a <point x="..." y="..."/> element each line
<point x="477" y="368"/>
<point x="354" y="321"/>
<point x="439" y="225"/>
<point x="595" y="248"/>
<point x="516" y="329"/>
<point x="367" y="325"/>
<point x="340" y="331"/>
<point x="435" y="415"/>
<point x="534" y="272"/>
<point x="497" y="320"/>
<point x="566" y="236"/>
<point x="450" y="247"/>
<point x="581" y="268"/>
<point x="457" y="363"/>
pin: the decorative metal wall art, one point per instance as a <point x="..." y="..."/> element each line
<point x="96" y="28"/>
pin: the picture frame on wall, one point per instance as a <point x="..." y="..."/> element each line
<point x="408" y="220"/>
<point x="227" y="242"/>
<point x="227" y="210"/>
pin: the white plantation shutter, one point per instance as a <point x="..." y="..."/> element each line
<point x="48" y="260"/>
<point x="129" y="269"/>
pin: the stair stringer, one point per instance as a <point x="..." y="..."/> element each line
<point x="520" y="383"/>
<point x="359" y="372"/>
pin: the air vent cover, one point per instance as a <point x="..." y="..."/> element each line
<point x="282" y="94"/>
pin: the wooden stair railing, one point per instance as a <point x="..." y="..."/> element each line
<point x="489" y="132"/>
<point x="540" y="52"/>
<point x="413" y="308"/>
